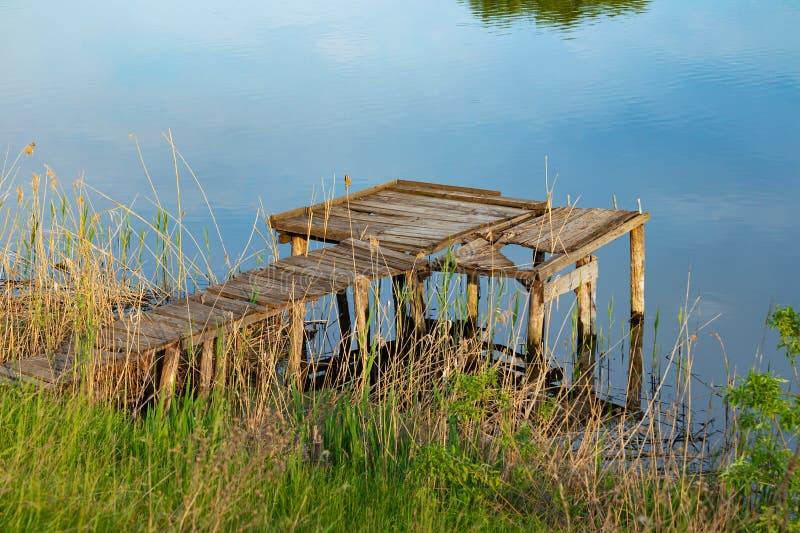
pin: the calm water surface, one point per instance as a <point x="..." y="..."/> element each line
<point x="692" y="107"/>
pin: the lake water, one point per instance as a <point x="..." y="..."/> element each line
<point x="691" y="107"/>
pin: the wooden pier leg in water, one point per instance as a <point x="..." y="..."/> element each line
<point x="206" y="367"/>
<point x="399" y="299"/>
<point x="586" y="334"/>
<point x="473" y="297"/>
<point x="297" y="319"/>
<point x="169" y="374"/>
<point x="635" y="374"/>
<point x="345" y="323"/>
<point x="535" y="345"/>
<point x="361" y="306"/>
<point x="416" y="294"/>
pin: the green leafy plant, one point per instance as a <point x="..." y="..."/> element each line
<point x="767" y="424"/>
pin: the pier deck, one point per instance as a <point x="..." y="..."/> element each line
<point x="391" y="230"/>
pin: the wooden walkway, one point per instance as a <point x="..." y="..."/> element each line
<point x="386" y="231"/>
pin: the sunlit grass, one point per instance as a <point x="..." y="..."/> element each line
<point x="444" y="440"/>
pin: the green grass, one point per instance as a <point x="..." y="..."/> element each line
<point x="432" y="448"/>
<point x="67" y="463"/>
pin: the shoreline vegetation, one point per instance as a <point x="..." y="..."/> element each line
<point x="437" y="444"/>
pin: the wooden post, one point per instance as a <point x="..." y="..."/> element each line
<point x="361" y="306"/>
<point x="586" y="333"/>
<point x="221" y="372"/>
<point x="473" y="297"/>
<point x="635" y="374"/>
<point x="206" y="367"/>
<point x="169" y="373"/>
<point x="297" y="319"/>
<point x="416" y="294"/>
<point x="345" y="323"/>
<point x="399" y="300"/>
<point x="535" y="346"/>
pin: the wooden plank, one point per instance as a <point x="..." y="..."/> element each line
<point x="473" y="197"/>
<point x="194" y="312"/>
<point x="16" y="377"/>
<point x="559" y="262"/>
<point x="36" y="367"/>
<point x="578" y="231"/>
<point x="442" y="187"/>
<point x="237" y="307"/>
<point x="542" y="228"/>
<point x="276" y="219"/>
<point x="437" y="206"/>
<point x="570" y="281"/>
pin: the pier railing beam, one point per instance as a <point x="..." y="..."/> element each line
<point x="297" y="319"/>
<point x="586" y="333"/>
<point x="635" y="373"/>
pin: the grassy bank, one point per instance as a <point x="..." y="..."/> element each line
<point x="440" y="445"/>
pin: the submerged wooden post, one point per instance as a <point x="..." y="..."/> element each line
<point x="635" y="374"/>
<point x="345" y="323"/>
<point x="169" y="373"/>
<point x="297" y="318"/>
<point x="206" y="367"/>
<point x="535" y="344"/>
<point x="473" y="297"/>
<point x="586" y="332"/>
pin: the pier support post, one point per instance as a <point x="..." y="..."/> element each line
<point x="473" y="297"/>
<point x="399" y="301"/>
<point x="635" y="373"/>
<point x="416" y="294"/>
<point x="345" y="323"/>
<point x="586" y="333"/>
<point x="361" y="307"/>
<point x="535" y="345"/>
<point x="206" y="367"/>
<point x="169" y="373"/>
<point x="297" y="319"/>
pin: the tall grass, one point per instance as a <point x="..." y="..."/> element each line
<point x="432" y="437"/>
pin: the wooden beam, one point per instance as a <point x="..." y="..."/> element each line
<point x="635" y="373"/>
<point x="586" y="332"/>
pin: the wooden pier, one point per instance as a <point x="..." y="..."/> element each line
<point x="394" y="231"/>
